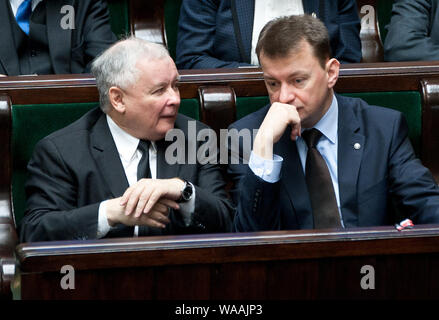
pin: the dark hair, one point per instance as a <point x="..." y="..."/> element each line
<point x="285" y="34"/>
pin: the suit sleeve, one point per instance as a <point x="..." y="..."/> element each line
<point x="408" y="37"/>
<point x="97" y="31"/>
<point x="258" y="204"/>
<point x="411" y="185"/>
<point x="348" y="47"/>
<point x="213" y="209"/>
<point x="51" y="211"/>
<point x="256" y="201"/>
<point x="196" y="37"/>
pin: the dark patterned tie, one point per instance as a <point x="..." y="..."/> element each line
<point x="23" y="15"/>
<point x="143" y="170"/>
<point x="320" y="187"/>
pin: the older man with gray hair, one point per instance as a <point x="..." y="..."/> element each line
<point x="106" y="174"/>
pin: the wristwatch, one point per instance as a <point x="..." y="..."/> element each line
<point x="186" y="192"/>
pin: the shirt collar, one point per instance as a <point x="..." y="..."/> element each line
<point x="126" y="144"/>
<point x="328" y="124"/>
<point x="16" y="3"/>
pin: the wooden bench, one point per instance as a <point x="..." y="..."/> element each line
<point x="215" y="96"/>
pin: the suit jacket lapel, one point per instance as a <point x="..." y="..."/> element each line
<point x="107" y="157"/>
<point x="8" y="52"/>
<point x="350" y="153"/>
<point x="293" y="179"/>
<point x="60" y="54"/>
<point x="164" y="169"/>
<point x="243" y="12"/>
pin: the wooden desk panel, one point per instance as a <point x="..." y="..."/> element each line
<point x="266" y="265"/>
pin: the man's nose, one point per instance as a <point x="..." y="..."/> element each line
<point x="174" y="95"/>
<point x="286" y="94"/>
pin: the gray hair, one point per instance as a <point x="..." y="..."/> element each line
<point x="116" y="66"/>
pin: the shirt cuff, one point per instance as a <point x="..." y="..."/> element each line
<point x="267" y="170"/>
<point x="187" y="208"/>
<point x="103" y="226"/>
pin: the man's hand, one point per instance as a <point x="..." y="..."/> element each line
<point x="279" y="116"/>
<point x="141" y="197"/>
<point x="157" y="217"/>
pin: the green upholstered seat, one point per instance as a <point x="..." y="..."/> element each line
<point x="119" y="17"/>
<point x="384" y="13"/>
<point x="407" y="102"/>
<point x="31" y="123"/>
<point x="172" y="13"/>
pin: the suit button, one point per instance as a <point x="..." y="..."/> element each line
<point x="33" y="53"/>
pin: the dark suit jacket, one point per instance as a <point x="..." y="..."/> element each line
<point x="71" y="51"/>
<point x="383" y="172"/>
<point x="218" y="33"/>
<point x="413" y="32"/>
<point x="75" y="168"/>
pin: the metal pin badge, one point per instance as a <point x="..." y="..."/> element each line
<point x="357" y="146"/>
<point x="314" y="15"/>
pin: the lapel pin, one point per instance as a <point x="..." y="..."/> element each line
<point x="314" y="15"/>
<point x="357" y="146"/>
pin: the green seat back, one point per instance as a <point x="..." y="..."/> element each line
<point x="172" y="13"/>
<point x="407" y="102"/>
<point x="190" y="108"/>
<point x="119" y="17"/>
<point x="384" y="13"/>
<point x="31" y="123"/>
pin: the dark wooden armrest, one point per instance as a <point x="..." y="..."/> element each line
<point x="218" y="106"/>
<point x="8" y="241"/>
<point x="5" y="156"/>
<point x="371" y="44"/>
<point x="430" y="124"/>
<point x="147" y="20"/>
<point x="8" y="235"/>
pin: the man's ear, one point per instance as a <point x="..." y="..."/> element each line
<point x="333" y="69"/>
<point x="116" y="97"/>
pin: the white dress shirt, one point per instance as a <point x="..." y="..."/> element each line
<point x="266" y="10"/>
<point x="16" y="3"/>
<point x="130" y="157"/>
<point x="269" y="170"/>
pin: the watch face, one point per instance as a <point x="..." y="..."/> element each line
<point x="187" y="192"/>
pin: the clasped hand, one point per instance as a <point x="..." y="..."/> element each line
<point x="147" y="202"/>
